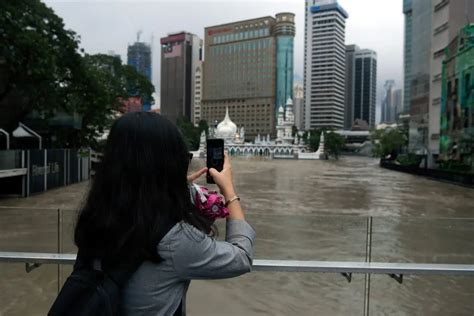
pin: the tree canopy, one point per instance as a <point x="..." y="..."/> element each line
<point x="191" y="133"/>
<point x="44" y="71"/>
<point x="388" y="142"/>
<point x="40" y="59"/>
<point x="334" y="143"/>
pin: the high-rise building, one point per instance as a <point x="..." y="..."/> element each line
<point x="360" y="86"/>
<point x="249" y="69"/>
<point x="408" y="12"/>
<point x="417" y="51"/>
<point x="449" y="17"/>
<point x="298" y="97"/>
<point x="114" y="54"/>
<point x="324" y="66"/>
<point x="430" y="25"/>
<point x="392" y="103"/>
<point x="181" y="54"/>
<point x="198" y="83"/>
<point x="139" y="57"/>
<point x="386" y="115"/>
<point x="397" y="102"/>
<point x="457" y="105"/>
<point x="349" y="95"/>
<point x="365" y="86"/>
<point x="285" y="33"/>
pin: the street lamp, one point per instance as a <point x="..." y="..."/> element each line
<point x="23" y="131"/>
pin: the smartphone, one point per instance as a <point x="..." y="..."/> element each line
<point x="215" y="156"/>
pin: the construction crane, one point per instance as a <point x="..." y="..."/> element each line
<point x="138" y="35"/>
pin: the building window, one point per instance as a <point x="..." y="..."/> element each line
<point x="438" y="53"/>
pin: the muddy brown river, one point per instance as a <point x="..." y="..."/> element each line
<point x="301" y="210"/>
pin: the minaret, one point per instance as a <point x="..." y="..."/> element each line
<point x="280" y="124"/>
<point x="289" y="119"/>
<point x="321" y="152"/>
<point x="289" y="115"/>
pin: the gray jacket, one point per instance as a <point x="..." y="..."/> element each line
<point x="187" y="253"/>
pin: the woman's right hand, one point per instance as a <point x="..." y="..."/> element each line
<point x="224" y="179"/>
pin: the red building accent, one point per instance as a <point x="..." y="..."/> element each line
<point x="132" y="104"/>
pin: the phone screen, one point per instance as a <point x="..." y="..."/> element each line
<point x="215" y="156"/>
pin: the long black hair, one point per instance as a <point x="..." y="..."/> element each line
<point x="139" y="192"/>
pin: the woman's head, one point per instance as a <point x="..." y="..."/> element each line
<point x="140" y="190"/>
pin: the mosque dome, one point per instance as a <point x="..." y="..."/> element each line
<point x="226" y="128"/>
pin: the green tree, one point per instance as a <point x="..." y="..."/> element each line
<point x="190" y="132"/>
<point x="294" y="131"/>
<point x="311" y="138"/>
<point x="40" y="60"/>
<point x="334" y="144"/>
<point x="43" y="72"/>
<point x="203" y="126"/>
<point x="388" y="142"/>
<point x="98" y="97"/>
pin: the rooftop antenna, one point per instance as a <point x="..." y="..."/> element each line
<point x="138" y="35"/>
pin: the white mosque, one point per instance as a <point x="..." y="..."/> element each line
<point x="284" y="146"/>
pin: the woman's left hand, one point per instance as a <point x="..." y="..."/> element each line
<point x="194" y="176"/>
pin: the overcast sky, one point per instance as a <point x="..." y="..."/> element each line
<point x="106" y="25"/>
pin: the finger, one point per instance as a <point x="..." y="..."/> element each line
<point x="196" y="175"/>
<point x="213" y="172"/>
<point x="226" y="161"/>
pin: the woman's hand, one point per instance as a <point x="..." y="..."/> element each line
<point x="224" y="179"/>
<point x="194" y="176"/>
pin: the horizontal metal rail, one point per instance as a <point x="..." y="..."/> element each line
<point x="283" y="265"/>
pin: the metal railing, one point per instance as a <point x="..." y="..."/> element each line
<point x="359" y="262"/>
<point x="396" y="271"/>
<point x="343" y="267"/>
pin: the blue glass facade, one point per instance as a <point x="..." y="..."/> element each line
<point x="139" y="57"/>
<point x="284" y="70"/>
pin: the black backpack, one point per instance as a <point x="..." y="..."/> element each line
<point x="90" y="290"/>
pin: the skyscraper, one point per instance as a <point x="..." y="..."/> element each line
<point x="139" y="57"/>
<point x="197" y="92"/>
<point x="408" y="12"/>
<point x="349" y="95"/>
<point x="430" y="25"/>
<point x="417" y="51"/>
<point x="392" y="103"/>
<point x="249" y="69"/>
<point x="285" y="33"/>
<point x="449" y="17"/>
<point x="457" y="108"/>
<point x="365" y="85"/>
<point x="324" y="66"/>
<point x="360" y="86"/>
<point x="181" y="54"/>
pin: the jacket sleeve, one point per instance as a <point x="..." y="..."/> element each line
<point x="198" y="256"/>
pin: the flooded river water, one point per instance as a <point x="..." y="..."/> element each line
<point x="301" y="210"/>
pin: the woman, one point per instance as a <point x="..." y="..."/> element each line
<point x="139" y="210"/>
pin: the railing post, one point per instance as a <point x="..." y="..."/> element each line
<point x="45" y="179"/>
<point x="60" y="245"/>
<point x="368" y="258"/>
<point x="23" y="178"/>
